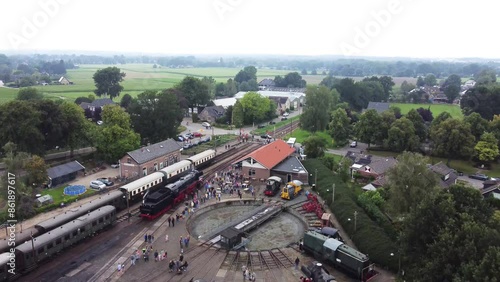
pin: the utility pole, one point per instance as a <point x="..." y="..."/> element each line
<point x="128" y="207"/>
<point x="333" y="193"/>
<point x="316" y="178"/>
<point x="215" y="141"/>
<point x="355" y="219"/>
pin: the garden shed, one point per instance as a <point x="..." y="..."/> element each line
<point x="44" y="200"/>
<point x="64" y="173"/>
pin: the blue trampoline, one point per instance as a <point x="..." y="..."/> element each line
<point x="74" y="190"/>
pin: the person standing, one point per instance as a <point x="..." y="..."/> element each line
<point x="181" y="242"/>
<point x="169" y="222"/>
<point x="166" y="238"/>
<point x="297" y="261"/>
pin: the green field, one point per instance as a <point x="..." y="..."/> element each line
<point x="436" y="109"/>
<point x="7" y="94"/>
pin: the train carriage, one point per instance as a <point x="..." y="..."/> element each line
<point x="6" y="263"/>
<point x="42" y="247"/>
<point x="173" y="172"/>
<point x="139" y="187"/>
<point x="202" y="159"/>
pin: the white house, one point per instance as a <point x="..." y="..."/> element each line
<point x="225" y="102"/>
<point x="1" y="83"/>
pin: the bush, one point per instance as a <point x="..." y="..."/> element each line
<point x="195" y="118"/>
<point x="369" y="237"/>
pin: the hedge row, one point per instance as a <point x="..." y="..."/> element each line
<point x="369" y="237"/>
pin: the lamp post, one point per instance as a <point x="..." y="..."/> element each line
<point x="355" y="219"/>
<point x="316" y="177"/>
<point x="399" y="261"/>
<point x="127" y="198"/>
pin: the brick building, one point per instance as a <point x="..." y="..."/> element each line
<point x="149" y="159"/>
<point x="260" y="162"/>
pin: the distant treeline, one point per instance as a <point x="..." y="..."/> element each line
<point x="306" y="65"/>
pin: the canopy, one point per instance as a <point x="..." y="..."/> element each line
<point x="275" y="178"/>
<point x="297" y="182"/>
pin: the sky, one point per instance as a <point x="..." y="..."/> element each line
<point x="381" y="28"/>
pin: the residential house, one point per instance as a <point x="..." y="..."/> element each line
<point x="447" y="175"/>
<point x="291" y="169"/>
<point x="296" y="98"/>
<point x="260" y="162"/>
<point x="212" y="113"/>
<point x="64" y="81"/>
<point x="377" y="167"/>
<point x="149" y="159"/>
<point x="96" y="105"/>
<point x="266" y="83"/>
<point x="378" y="106"/>
<point x="493" y="191"/>
<point x="282" y="103"/>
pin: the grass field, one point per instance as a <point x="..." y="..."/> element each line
<point x="436" y="109"/>
<point x="141" y="77"/>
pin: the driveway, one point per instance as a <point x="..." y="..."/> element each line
<point x="478" y="184"/>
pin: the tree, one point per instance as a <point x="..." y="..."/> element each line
<point x="230" y="88"/>
<point x="126" y="100"/>
<point x="407" y="87"/>
<point x="210" y="83"/>
<point x="314" y="147"/>
<point x="155" y="116"/>
<point x="482" y="100"/>
<point x="291" y="80"/>
<point x="457" y="223"/>
<point x="478" y="125"/>
<point x="329" y="82"/>
<point x="430" y="80"/>
<point x="386" y="82"/>
<point x="402" y="137"/>
<point x="20" y="124"/>
<point x="451" y="87"/>
<point x="247" y="73"/>
<point x="426" y="114"/>
<point x="319" y="103"/>
<point x="410" y="182"/>
<point x="340" y="127"/>
<point x="115" y="137"/>
<point x="52" y="123"/>
<point x="75" y="128"/>
<point x="485" y="77"/>
<point x="367" y="127"/>
<point x="420" y="82"/>
<point x="418" y="123"/>
<point x="219" y="89"/>
<point x="303" y="72"/>
<point x="453" y="138"/>
<point x="37" y="170"/>
<point x="238" y="115"/>
<point x="29" y="93"/>
<point x="107" y="82"/>
<point x="255" y="107"/>
<point x="82" y="99"/>
<point x="487" y="147"/>
<point x="194" y="91"/>
<point x="387" y="118"/>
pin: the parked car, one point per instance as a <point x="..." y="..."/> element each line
<point x="353" y="144"/>
<point x="479" y="176"/>
<point x="261" y="126"/>
<point x="205" y="124"/>
<point x="284" y="118"/>
<point x="286" y="114"/>
<point x="266" y="136"/>
<point x="272" y="122"/>
<point x="106" y="181"/>
<point x="189" y="135"/>
<point x="98" y="185"/>
<point x="187" y="146"/>
<point x="180" y="138"/>
<point x="115" y="165"/>
<point x="197" y="134"/>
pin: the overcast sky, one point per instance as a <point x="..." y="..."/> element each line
<point x="394" y="28"/>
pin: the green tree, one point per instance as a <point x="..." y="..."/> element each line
<point x="453" y="138"/>
<point x="410" y="182"/>
<point x="438" y="120"/>
<point x="52" y="123"/>
<point x="418" y="123"/>
<point x="230" y="88"/>
<point x="107" y="81"/>
<point x="367" y="127"/>
<point x="486" y="76"/>
<point x="487" y="147"/>
<point x="420" y="81"/>
<point x="451" y="87"/>
<point x="246" y="74"/>
<point x="387" y="118"/>
<point x="20" y="123"/>
<point x="407" y="87"/>
<point x="75" y="128"/>
<point x="291" y="80"/>
<point x="115" y="137"/>
<point x="478" y="125"/>
<point x="37" y="170"/>
<point x="238" y="115"/>
<point x="126" y="100"/>
<point x="340" y="127"/>
<point x="195" y="91"/>
<point x="314" y="147"/>
<point x="320" y="101"/>
<point x="402" y="137"/>
<point x="155" y="116"/>
<point x="430" y="80"/>
<point x="255" y="107"/>
<point x="29" y="93"/>
<point x="219" y="89"/>
<point x="210" y="83"/>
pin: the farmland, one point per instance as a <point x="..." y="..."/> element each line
<point x="141" y="77"/>
<point x="436" y="109"/>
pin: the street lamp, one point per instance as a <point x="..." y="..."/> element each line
<point x="399" y="261"/>
<point x="127" y="198"/>
<point x="333" y="192"/>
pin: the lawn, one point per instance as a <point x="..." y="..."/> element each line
<point x="436" y="109"/>
<point x="302" y="135"/>
<point x="59" y="197"/>
<point x="7" y="94"/>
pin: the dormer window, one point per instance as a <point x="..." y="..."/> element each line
<point x="446" y="177"/>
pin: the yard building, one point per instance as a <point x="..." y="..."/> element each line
<point x="260" y="162"/>
<point x="149" y="159"/>
<point x="447" y="176"/>
<point x="64" y="81"/>
<point x="64" y="173"/>
<point x="291" y="169"/>
<point x="266" y="83"/>
<point x="378" y="106"/>
<point x="212" y="113"/>
<point x="225" y="102"/>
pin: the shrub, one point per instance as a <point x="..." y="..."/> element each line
<point x="194" y="116"/>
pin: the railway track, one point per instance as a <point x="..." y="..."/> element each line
<point x="256" y="260"/>
<point x="286" y="129"/>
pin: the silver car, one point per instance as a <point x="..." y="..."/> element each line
<point x="97" y="185"/>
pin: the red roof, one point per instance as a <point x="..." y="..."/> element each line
<point x="272" y="154"/>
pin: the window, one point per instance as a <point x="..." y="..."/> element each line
<point x="75" y="233"/>
<point x="40" y="251"/>
<point x="144" y="171"/>
<point x="66" y="238"/>
<point x="94" y="223"/>
<point x="155" y="166"/>
<point x="101" y="220"/>
<point x="49" y="246"/>
<point x="251" y="172"/>
<point x="161" y="165"/>
<point x="129" y="161"/>
<point x="58" y="241"/>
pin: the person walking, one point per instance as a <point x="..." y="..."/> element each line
<point x="119" y="267"/>
<point x="166" y="238"/>
<point x="145" y="238"/>
<point x="169" y="222"/>
<point x="297" y="261"/>
<point x="181" y="242"/>
<point x="181" y="257"/>
<point x="132" y="259"/>
<point x="156" y="255"/>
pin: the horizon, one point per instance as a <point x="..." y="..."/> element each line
<point x="374" y="29"/>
